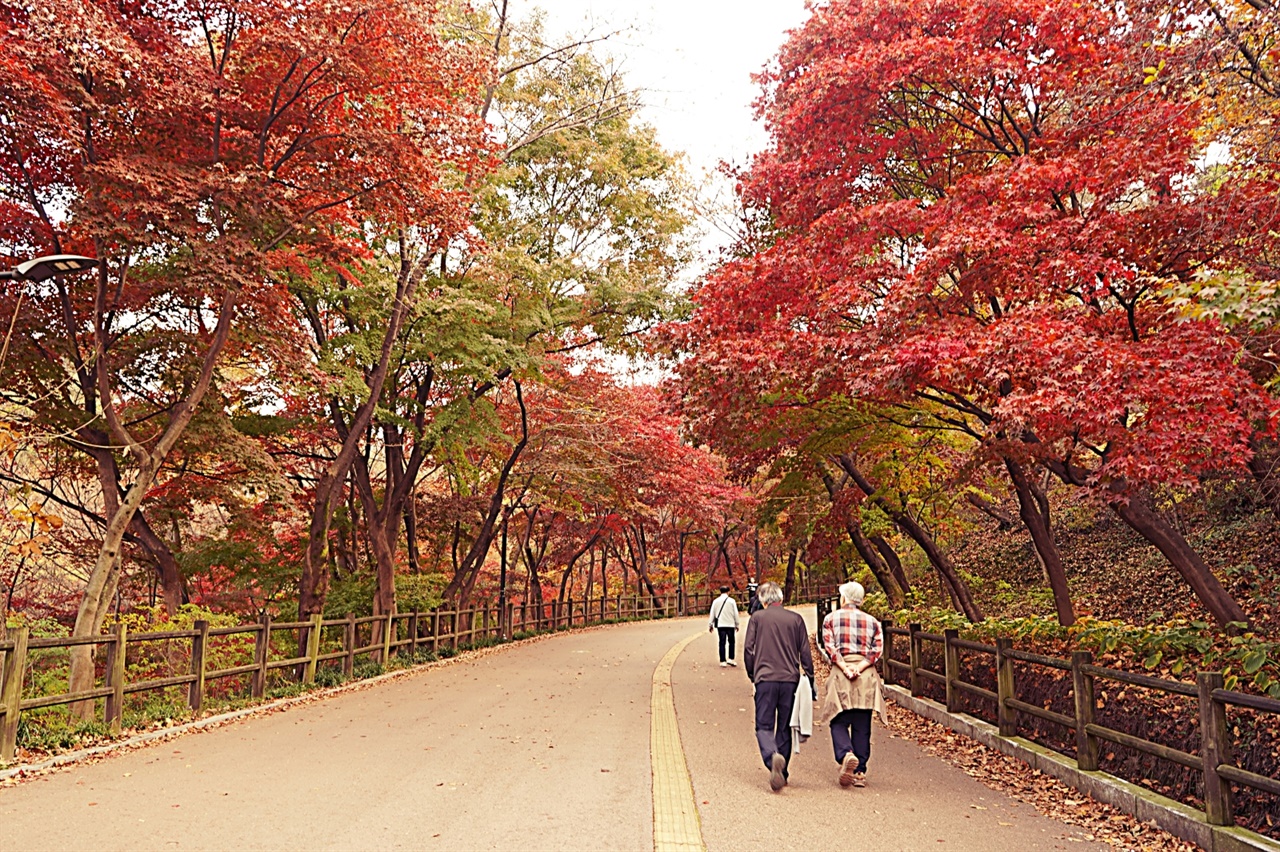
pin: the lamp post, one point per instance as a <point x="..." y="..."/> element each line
<point x="40" y="269"/>
<point x="50" y="266"/>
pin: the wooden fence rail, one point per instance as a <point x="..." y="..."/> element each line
<point x="313" y="644"/>
<point x="1214" y="760"/>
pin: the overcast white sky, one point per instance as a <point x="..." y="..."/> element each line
<point x="693" y="59"/>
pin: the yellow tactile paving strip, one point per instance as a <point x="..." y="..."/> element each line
<point x="676" y="825"/>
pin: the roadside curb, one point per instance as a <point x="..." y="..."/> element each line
<point x="1178" y="819"/>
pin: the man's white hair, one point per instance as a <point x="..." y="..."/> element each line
<point x="769" y="594"/>
<point x="852" y="593"/>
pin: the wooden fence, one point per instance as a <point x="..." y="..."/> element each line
<point x="1214" y="759"/>
<point x="307" y="646"/>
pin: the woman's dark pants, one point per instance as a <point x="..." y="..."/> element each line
<point x="851" y="732"/>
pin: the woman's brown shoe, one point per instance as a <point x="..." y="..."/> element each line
<point x="847" y="766"/>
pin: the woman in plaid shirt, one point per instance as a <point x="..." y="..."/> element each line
<point x="852" y="640"/>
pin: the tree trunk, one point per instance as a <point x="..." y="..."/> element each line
<point x="642" y="564"/>
<point x="920" y="536"/>
<point x="879" y="569"/>
<point x="1033" y="507"/>
<point x="591" y="542"/>
<point x="474" y="559"/>
<point x="313" y="584"/>
<point x="411" y="537"/>
<point x="1002" y="518"/>
<point x="1134" y="510"/>
<point x="172" y="589"/>
<point x="105" y="574"/>
<point x="1265" y="467"/>
<point x="1147" y="522"/>
<point x="789" y="584"/>
<point x="891" y="559"/>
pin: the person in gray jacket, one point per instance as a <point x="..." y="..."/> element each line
<point x="724" y="617"/>
<point x="775" y="650"/>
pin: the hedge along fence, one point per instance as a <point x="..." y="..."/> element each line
<point x="904" y="662"/>
<point x="296" y="650"/>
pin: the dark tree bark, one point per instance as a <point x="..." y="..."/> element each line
<point x="904" y="521"/>
<point x="1033" y="507"/>
<point x="1265" y="467"/>
<point x="1134" y="508"/>
<point x="313" y="584"/>
<point x="1137" y="513"/>
<point x="464" y="577"/>
<point x="1004" y="521"/>
<point x="641" y="561"/>
<point x="853" y="528"/>
<point x="891" y="559"/>
<point x="591" y="542"/>
<point x="789" y="584"/>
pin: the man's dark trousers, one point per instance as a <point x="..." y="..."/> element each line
<point x="774" y="701"/>
<point x="851" y="732"/>
<point x="726" y="638"/>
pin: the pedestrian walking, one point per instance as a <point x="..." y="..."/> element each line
<point x="853" y="641"/>
<point x="724" y="618"/>
<point x="753" y="599"/>
<point x="776" y="652"/>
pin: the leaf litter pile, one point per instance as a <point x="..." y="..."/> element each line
<point x="1011" y="776"/>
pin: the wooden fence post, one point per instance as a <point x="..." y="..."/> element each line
<point x="914" y="660"/>
<point x="1215" y="750"/>
<point x="453" y="630"/>
<point x="887" y="654"/>
<point x="199" y="647"/>
<point x="413" y="635"/>
<point x="388" y="631"/>
<point x="349" y="639"/>
<point x="951" y="668"/>
<point x="435" y="631"/>
<point x="1006" y="716"/>
<point x="15" y="668"/>
<point x="261" y="654"/>
<point x="313" y="648"/>
<point x="1086" y="709"/>
<point x="115" y="678"/>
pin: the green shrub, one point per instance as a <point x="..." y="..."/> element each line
<point x="287" y="689"/>
<point x="366" y="669"/>
<point x="330" y="676"/>
<point x="1175" y="647"/>
<point x="55" y="730"/>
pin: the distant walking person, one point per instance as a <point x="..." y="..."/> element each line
<point x="753" y="600"/>
<point x="724" y="617"/>
<point x="775" y="650"/>
<point x="853" y="641"/>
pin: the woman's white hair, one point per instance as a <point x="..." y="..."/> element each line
<point x="769" y="594"/>
<point x="852" y="593"/>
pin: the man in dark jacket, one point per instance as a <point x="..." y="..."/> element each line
<point x="774" y="652"/>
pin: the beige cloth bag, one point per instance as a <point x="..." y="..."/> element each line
<point x="865" y="692"/>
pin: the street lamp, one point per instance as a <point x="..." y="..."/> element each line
<point x="44" y="268"/>
<point x="40" y="269"/>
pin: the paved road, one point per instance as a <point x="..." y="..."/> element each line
<point x="543" y="745"/>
